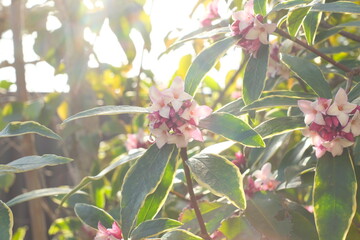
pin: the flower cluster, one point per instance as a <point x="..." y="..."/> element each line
<point x="175" y="116"/>
<point x="250" y="27"/>
<point x="113" y="233"/>
<point x="265" y="181"/>
<point x="211" y="13"/>
<point x="331" y="126"/>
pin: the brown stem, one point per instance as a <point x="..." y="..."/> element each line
<point x="184" y="157"/>
<point x="32" y="178"/>
<point x="232" y="80"/>
<point x="314" y="50"/>
<point x="343" y="33"/>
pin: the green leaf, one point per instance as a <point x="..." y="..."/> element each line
<point x="232" y="128"/>
<point x="106" y="110"/>
<point x="7" y="221"/>
<point x="45" y="192"/>
<point x="140" y="181"/>
<point x="204" y="62"/>
<point x="292" y="158"/>
<point x="209" y="169"/>
<point x="233" y="107"/>
<point x="277" y="126"/>
<point x="154" y="227"/>
<point x="348" y="24"/>
<point x="255" y="75"/>
<point x="259" y="156"/>
<point x="91" y="215"/>
<point x="338" y="7"/>
<point x="237" y="228"/>
<point x="116" y="163"/>
<point x="303" y="223"/>
<point x="213" y="214"/>
<point x="289" y="4"/>
<point x="265" y="212"/>
<point x="6" y="181"/>
<point x="29" y="163"/>
<point x="310" y="25"/>
<point x="260" y="7"/>
<point x="272" y="101"/>
<point x="21" y="128"/>
<point x="354" y="93"/>
<point x="180" y="235"/>
<point x="310" y="73"/>
<point x="334" y="196"/>
<point x="295" y="19"/>
<point x="20" y="233"/>
<point x="156" y="200"/>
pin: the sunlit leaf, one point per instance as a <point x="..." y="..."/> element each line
<point x="33" y="162"/>
<point x="310" y="73"/>
<point x="116" y="163"/>
<point x="180" y="235"/>
<point x="295" y="19"/>
<point x="45" y="192"/>
<point x="255" y="75"/>
<point x="334" y="196"/>
<point x="271" y="101"/>
<point x="21" y="128"/>
<point x="265" y="212"/>
<point x="213" y="214"/>
<point x="279" y="125"/>
<point x="106" y="110"/>
<point x="154" y="227"/>
<point x="7" y="221"/>
<point x="232" y="128"/>
<point x="140" y="181"/>
<point x="208" y="170"/>
<point x="91" y="215"/>
<point x="310" y="25"/>
<point x="239" y="228"/>
<point x="155" y="200"/>
<point x="289" y="4"/>
<point x="260" y="7"/>
<point x="338" y="7"/>
<point x="204" y="62"/>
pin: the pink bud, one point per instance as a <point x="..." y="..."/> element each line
<point x="328" y="121"/>
<point x="172" y="112"/>
<point x="335" y="121"/>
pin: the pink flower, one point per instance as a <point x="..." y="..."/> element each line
<point x="160" y="102"/>
<point x="179" y="124"/>
<point x="354" y="125"/>
<point x="341" y="107"/>
<point x="314" y="110"/>
<point x="161" y="135"/>
<point x="260" y="31"/>
<point x="212" y="13"/>
<point x="265" y="180"/>
<point x="337" y="145"/>
<point x="176" y="94"/>
<point x="196" y="112"/>
<point x="113" y="233"/>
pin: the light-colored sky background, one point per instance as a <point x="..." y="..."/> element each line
<point x="166" y="15"/>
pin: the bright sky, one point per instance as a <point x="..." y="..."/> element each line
<point x="165" y="16"/>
